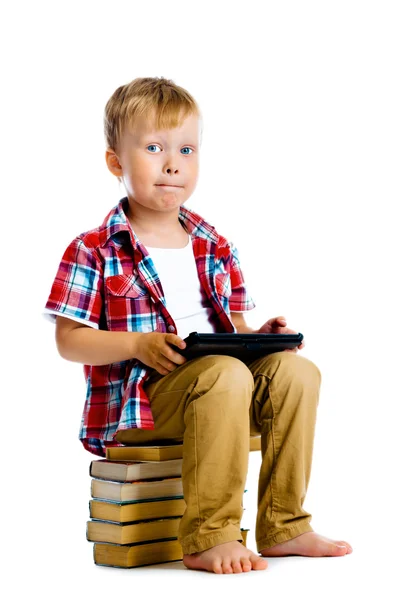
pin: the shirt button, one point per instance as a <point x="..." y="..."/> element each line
<point x="171" y="328"/>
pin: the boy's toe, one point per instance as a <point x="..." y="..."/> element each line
<point x="258" y="562"/>
<point x="349" y="548"/>
<point x="246" y="564"/>
<point x="236" y="566"/>
<point x="226" y="566"/>
<point x="217" y="566"/>
<point x="340" y="549"/>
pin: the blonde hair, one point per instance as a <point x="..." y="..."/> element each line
<point x="146" y="98"/>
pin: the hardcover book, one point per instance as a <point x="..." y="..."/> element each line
<point x="138" y="510"/>
<point x="160" y="453"/>
<point x="132" y="533"/>
<point x="137" y="490"/>
<point x="131" y="471"/>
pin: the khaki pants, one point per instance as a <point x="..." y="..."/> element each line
<point x="213" y="404"/>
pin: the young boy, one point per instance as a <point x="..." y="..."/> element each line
<point x="126" y="295"/>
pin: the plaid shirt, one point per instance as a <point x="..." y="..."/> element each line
<point x="107" y="280"/>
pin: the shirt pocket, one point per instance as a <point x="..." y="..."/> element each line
<point x="127" y="303"/>
<point x="125" y="285"/>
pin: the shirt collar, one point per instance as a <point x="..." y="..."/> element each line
<point x="116" y="222"/>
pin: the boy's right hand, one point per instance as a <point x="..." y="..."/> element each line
<point x="154" y="350"/>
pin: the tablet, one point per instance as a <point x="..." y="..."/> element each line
<point x="245" y="346"/>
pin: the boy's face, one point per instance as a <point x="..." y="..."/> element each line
<point x="159" y="168"/>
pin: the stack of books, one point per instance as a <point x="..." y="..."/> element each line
<point x="137" y="504"/>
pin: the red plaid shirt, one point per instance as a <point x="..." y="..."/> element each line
<point x="107" y="280"/>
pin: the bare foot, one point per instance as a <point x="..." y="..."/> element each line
<point x="231" y="557"/>
<point x="309" y="544"/>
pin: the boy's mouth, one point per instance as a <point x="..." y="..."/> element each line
<point x="167" y="185"/>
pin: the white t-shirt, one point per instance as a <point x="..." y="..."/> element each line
<point x="176" y="268"/>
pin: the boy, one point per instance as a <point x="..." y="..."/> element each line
<point x="125" y="296"/>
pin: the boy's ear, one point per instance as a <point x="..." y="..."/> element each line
<point x="113" y="164"/>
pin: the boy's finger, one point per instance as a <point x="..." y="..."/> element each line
<point x="176" y="340"/>
<point x="173" y="357"/>
<point x="280" y="319"/>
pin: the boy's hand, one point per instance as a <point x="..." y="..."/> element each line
<point x="154" y="350"/>
<point x="278" y="325"/>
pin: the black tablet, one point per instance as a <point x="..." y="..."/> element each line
<point x="244" y="346"/>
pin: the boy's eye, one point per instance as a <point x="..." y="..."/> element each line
<point x="152" y="146"/>
<point x="155" y="146"/>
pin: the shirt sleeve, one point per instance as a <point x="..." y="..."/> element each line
<point x="76" y="292"/>
<point x="240" y="299"/>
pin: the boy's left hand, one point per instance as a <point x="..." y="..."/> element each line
<point x="278" y="325"/>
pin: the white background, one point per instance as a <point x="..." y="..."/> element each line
<point x="300" y="168"/>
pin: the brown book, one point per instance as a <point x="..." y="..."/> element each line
<point x="113" y="555"/>
<point x="144" y="453"/>
<point x="138" y="555"/>
<point x="159" y="453"/>
<point x="137" y="490"/>
<point x="255" y="443"/>
<point x="131" y="471"/>
<point x="136" y="511"/>
<point x="132" y="533"/>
